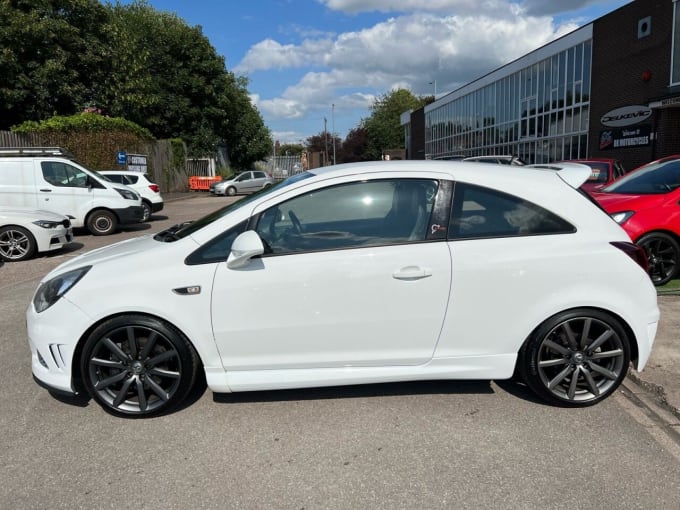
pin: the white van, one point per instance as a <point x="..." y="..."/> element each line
<point x="48" y="178"/>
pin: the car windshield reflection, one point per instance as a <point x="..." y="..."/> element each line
<point x="654" y="179"/>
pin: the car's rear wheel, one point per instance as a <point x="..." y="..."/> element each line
<point x="146" y="210"/>
<point x="576" y="358"/>
<point x="16" y="243"/>
<point x="663" y="255"/>
<point x="231" y="191"/>
<point x="138" y="366"/>
<point x="102" y="222"/>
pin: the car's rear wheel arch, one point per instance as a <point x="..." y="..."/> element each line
<point x="577" y="357"/>
<point x="634" y="352"/>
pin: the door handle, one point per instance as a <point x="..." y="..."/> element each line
<point x="412" y="273"/>
<point x="46" y="190"/>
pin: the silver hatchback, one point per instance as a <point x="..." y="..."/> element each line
<point x="245" y="182"/>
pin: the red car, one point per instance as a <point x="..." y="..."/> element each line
<point x="605" y="171"/>
<point x="646" y="203"/>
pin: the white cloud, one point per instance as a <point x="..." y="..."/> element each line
<point x="406" y="51"/>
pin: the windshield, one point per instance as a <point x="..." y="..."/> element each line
<point x="184" y="229"/>
<point x="657" y="178"/>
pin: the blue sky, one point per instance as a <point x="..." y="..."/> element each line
<point x="304" y="56"/>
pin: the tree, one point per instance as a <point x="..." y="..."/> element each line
<point x="355" y="146"/>
<point x="53" y="55"/>
<point x="383" y="125"/>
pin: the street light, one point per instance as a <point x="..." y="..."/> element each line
<point x="434" y="82"/>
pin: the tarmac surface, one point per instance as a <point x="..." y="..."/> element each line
<point x="660" y="377"/>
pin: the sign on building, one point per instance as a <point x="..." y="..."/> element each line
<point x="637" y="136"/>
<point x="136" y="162"/>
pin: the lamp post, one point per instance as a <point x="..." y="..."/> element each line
<point x="434" y="82"/>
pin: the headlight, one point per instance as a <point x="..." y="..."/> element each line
<point x="47" y="223"/>
<point x="127" y="194"/>
<point x="622" y="217"/>
<point x="50" y="291"/>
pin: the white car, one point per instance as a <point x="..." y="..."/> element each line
<point x="149" y="191"/>
<point x="367" y="273"/>
<point x="25" y="232"/>
<point x="245" y="182"/>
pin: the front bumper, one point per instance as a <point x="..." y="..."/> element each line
<point x="132" y="214"/>
<point x="53" y="342"/>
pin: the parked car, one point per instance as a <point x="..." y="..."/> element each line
<point x="152" y="201"/>
<point x="368" y="272"/>
<point x="48" y="178"/>
<point x="245" y="182"/>
<point x="604" y="172"/>
<point x="646" y="203"/>
<point x="25" y="232"/>
<point x="497" y="159"/>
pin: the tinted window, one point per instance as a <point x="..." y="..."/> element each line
<point x="481" y="212"/>
<point x="260" y="175"/>
<point x="653" y="179"/>
<point x="350" y="215"/>
<point x="131" y="179"/>
<point x="115" y="178"/>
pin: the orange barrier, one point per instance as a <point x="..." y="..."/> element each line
<point x="200" y="183"/>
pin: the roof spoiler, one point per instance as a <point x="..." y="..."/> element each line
<point x="574" y="174"/>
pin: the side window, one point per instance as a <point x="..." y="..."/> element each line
<point x="130" y="179"/>
<point x="482" y="213"/>
<point x="115" y="178"/>
<point x="259" y="175"/>
<point x="63" y="175"/>
<point x="371" y="213"/>
<point x="217" y="249"/>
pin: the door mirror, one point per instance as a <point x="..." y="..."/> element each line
<point x="246" y="246"/>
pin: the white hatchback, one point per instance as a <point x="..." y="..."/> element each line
<point x="149" y="191"/>
<point x="25" y="232"/>
<point x="370" y="272"/>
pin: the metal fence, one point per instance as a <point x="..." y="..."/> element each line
<point x="280" y="167"/>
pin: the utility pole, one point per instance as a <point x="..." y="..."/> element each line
<point x="434" y="82"/>
<point x="325" y="141"/>
<point x="333" y="128"/>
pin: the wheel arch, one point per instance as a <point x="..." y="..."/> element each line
<point x="634" y="349"/>
<point x="76" y="375"/>
<point x="673" y="234"/>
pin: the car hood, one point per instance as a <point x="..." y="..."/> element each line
<point x="113" y="251"/>
<point x="615" y="202"/>
<point x="30" y="214"/>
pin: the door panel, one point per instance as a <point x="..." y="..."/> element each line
<point x="373" y="306"/>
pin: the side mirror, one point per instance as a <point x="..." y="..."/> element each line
<point x="246" y="246"/>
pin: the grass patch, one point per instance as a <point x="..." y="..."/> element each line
<point x="672" y="287"/>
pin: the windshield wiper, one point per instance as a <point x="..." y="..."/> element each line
<point x="170" y="234"/>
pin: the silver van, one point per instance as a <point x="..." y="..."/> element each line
<point x="48" y="178"/>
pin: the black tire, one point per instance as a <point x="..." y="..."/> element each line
<point x="146" y="210"/>
<point x="663" y="254"/>
<point x="138" y="366"/>
<point x="16" y="243"/>
<point x="589" y="343"/>
<point x="102" y="222"/>
<point x="231" y="191"/>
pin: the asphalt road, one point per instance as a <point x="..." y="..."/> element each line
<point x="418" y="445"/>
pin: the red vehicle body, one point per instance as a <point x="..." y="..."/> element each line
<point x="605" y="171"/>
<point x="646" y="203"/>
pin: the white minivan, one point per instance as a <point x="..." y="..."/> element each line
<point x="49" y="179"/>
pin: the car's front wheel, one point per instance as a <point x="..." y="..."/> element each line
<point x="231" y="191"/>
<point x="138" y="366"/>
<point x="576" y="358"/>
<point x="16" y="243"/>
<point x="663" y="254"/>
<point x="102" y="222"/>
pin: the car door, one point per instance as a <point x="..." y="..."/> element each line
<point x="244" y="182"/>
<point x="64" y="189"/>
<point x="352" y="278"/>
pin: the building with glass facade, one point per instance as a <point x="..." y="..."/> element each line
<point x="558" y="101"/>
